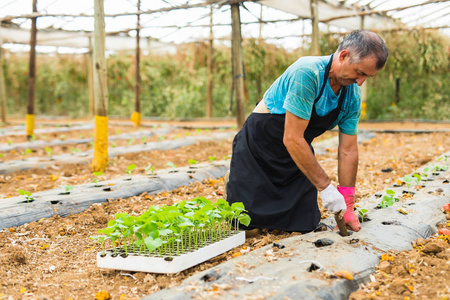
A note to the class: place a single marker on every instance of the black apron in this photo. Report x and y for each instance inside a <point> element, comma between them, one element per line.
<point>276,194</point>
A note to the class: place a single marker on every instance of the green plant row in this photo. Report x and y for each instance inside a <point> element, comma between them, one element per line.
<point>173,230</point>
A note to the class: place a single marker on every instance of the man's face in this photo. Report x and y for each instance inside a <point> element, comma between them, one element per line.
<point>355,72</point>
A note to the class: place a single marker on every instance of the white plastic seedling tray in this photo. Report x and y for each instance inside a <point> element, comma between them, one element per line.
<point>151,264</point>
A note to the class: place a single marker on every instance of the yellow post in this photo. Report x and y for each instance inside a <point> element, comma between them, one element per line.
<point>31,76</point>
<point>136,115</point>
<point>100,159</point>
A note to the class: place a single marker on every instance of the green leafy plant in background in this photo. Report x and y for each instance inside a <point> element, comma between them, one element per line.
<point>27,195</point>
<point>96,178</point>
<point>68,188</point>
<point>388,199</point>
<point>171,164</point>
<point>151,168</point>
<point>27,151</point>
<point>74,150</point>
<point>212,158</point>
<point>192,161</point>
<point>173,230</point>
<point>48,151</point>
<point>130,168</point>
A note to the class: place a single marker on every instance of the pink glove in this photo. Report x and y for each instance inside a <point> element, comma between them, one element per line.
<point>351,219</point>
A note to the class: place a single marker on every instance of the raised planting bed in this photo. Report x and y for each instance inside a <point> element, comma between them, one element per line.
<point>170,239</point>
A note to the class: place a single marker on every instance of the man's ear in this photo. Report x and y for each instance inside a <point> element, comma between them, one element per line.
<point>344,54</point>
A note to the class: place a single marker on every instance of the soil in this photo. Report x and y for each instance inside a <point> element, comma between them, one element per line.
<point>55,259</point>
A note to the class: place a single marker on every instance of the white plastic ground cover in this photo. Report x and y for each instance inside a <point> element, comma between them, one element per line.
<point>168,265</point>
<point>320,148</point>
<point>56,142</point>
<point>285,272</point>
<point>47,130</point>
<point>17,211</point>
<point>85,157</point>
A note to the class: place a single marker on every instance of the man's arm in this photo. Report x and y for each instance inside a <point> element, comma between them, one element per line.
<point>347,159</point>
<point>301,153</point>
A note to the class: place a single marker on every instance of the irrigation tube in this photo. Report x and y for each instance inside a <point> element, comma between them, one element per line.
<point>358,253</point>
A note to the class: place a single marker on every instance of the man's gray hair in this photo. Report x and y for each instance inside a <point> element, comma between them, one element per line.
<point>364,43</point>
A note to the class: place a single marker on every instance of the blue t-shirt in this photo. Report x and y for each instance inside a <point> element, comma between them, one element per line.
<point>297,88</point>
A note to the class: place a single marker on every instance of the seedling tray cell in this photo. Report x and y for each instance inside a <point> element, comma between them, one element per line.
<point>165,264</point>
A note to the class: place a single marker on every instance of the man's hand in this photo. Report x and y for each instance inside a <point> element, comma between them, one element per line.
<point>333,200</point>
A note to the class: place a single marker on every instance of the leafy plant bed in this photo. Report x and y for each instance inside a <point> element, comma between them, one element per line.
<point>167,264</point>
<point>170,239</point>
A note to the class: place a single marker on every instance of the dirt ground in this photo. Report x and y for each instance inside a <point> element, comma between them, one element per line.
<point>55,259</point>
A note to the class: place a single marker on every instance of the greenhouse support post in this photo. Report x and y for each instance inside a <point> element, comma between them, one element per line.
<point>2,83</point>
<point>136,116</point>
<point>363,88</point>
<point>209,93</point>
<point>100,159</point>
<point>315,48</point>
<point>238,74</point>
<point>31,76</point>
<point>91,78</point>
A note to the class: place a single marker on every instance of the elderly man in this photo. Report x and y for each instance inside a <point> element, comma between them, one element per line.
<point>273,168</point>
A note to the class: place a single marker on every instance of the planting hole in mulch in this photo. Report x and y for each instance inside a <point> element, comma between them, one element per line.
<point>108,189</point>
<point>53,202</point>
<point>64,193</point>
<point>391,223</point>
<point>313,267</point>
<point>323,242</point>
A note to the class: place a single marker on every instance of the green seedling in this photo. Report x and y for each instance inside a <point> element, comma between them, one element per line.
<point>187,134</point>
<point>151,168</point>
<point>113,144</point>
<point>118,131</point>
<point>198,130</point>
<point>92,144</point>
<point>411,181</point>
<point>144,140</point>
<point>44,137</point>
<point>441,168</point>
<point>161,137</point>
<point>388,199</point>
<point>73,150</point>
<point>212,158</point>
<point>33,137</point>
<point>96,178</point>
<point>101,239</point>
<point>68,188</point>
<point>63,137</point>
<point>444,158</point>
<point>131,141</point>
<point>27,195</point>
<point>27,151</point>
<point>1,155</point>
<point>362,213</point>
<point>48,150</point>
<point>130,168</point>
<point>9,142</point>
<point>171,164</point>
<point>173,230</point>
<point>192,162</point>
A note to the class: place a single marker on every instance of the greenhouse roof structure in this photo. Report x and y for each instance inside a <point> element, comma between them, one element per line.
<point>63,23</point>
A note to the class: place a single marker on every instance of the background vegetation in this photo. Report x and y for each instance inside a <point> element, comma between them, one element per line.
<point>174,85</point>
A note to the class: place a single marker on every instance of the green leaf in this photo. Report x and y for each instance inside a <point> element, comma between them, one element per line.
<point>192,161</point>
<point>244,219</point>
<point>152,244</point>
